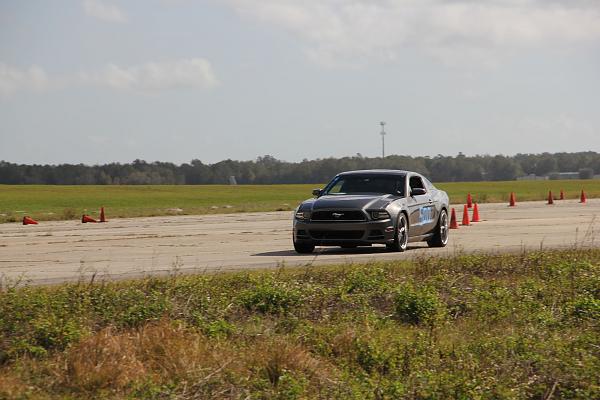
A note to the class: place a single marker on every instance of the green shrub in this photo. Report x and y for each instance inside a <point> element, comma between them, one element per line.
<point>130,306</point>
<point>270,297</point>
<point>290,387</point>
<point>150,308</point>
<point>492,303</point>
<point>372,355</point>
<point>365,279</point>
<point>218,328</point>
<point>586,307</point>
<point>418,305</point>
<point>52,332</point>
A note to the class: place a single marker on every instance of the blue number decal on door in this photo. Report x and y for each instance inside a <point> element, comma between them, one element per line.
<point>426,215</point>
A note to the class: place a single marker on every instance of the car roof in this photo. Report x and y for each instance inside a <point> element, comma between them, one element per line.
<point>376,172</point>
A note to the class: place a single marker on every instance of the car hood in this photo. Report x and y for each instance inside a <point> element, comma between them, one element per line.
<point>375,202</point>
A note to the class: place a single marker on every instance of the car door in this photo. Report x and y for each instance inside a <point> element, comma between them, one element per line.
<point>434,202</point>
<point>420,207</point>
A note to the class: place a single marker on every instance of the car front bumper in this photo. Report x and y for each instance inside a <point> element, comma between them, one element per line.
<point>344,233</point>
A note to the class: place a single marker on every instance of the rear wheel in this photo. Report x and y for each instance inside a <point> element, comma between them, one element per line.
<point>440,236</point>
<point>304,248</point>
<point>401,235</point>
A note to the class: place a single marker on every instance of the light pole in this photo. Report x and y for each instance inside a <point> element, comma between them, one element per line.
<point>382,123</point>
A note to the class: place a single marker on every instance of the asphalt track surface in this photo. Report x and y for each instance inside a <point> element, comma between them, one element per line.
<point>53,252</point>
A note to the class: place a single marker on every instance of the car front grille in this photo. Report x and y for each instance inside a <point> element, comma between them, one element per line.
<point>334,235</point>
<point>376,234</point>
<point>338,215</point>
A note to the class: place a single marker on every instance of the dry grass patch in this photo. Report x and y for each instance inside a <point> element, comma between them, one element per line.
<point>168,355</point>
<point>158,352</point>
<point>275,357</point>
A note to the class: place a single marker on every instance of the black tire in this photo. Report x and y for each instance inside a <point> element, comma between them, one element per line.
<point>400,235</point>
<point>440,237</point>
<point>304,248</point>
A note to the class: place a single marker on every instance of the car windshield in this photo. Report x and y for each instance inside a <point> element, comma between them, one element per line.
<point>366,184</point>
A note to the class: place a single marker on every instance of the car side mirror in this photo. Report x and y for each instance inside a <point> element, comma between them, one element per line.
<point>417,192</point>
<point>317,192</point>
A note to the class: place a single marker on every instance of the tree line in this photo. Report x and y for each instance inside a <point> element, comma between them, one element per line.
<point>269,170</point>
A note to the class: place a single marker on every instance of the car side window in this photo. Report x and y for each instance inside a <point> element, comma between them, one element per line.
<point>415,182</point>
<point>337,187</point>
<point>428,184</point>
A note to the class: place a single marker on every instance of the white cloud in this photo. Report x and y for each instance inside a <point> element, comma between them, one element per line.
<point>559,125</point>
<point>354,31</point>
<point>151,76</point>
<point>194,72</point>
<point>105,12</point>
<point>13,79</point>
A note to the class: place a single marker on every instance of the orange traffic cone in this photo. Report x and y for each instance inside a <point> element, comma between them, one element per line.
<point>469,201</point>
<point>453,222</point>
<point>29,221</point>
<point>87,218</point>
<point>550,198</point>
<point>582,199</point>
<point>513,200</point>
<point>102,218</point>
<point>475,214</point>
<point>562,194</point>
<point>465,221</point>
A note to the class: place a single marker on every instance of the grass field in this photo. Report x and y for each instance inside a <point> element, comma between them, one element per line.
<point>523,326</point>
<point>46,202</point>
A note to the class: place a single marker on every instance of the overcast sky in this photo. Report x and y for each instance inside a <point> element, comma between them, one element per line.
<point>97,81</point>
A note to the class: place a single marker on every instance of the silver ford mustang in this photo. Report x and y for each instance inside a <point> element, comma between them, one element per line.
<point>362,208</point>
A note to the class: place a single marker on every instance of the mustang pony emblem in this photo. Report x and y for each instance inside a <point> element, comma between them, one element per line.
<point>337,215</point>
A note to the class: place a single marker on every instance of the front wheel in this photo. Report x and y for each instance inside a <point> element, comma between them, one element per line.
<point>440,236</point>
<point>304,248</point>
<point>401,235</point>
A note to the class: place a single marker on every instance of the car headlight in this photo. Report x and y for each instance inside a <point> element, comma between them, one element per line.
<point>303,215</point>
<point>378,215</point>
